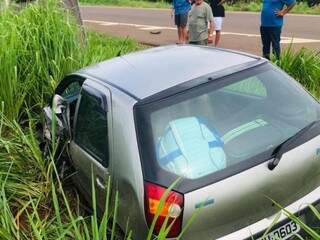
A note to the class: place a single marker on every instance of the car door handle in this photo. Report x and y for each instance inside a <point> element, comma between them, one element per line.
<point>100,183</point>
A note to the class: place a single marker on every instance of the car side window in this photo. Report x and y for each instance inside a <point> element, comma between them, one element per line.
<point>91,130</point>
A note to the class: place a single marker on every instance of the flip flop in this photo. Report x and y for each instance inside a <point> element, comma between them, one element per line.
<point>155,32</point>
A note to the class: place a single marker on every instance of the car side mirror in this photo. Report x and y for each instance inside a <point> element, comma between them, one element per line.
<point>58,104</point>
<point>60,114</point>
<point>61,109</point>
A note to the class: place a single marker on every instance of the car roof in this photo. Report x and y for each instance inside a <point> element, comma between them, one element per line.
<point>148,72</point>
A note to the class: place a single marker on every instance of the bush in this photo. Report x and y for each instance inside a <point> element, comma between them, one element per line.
<point>304,66</point>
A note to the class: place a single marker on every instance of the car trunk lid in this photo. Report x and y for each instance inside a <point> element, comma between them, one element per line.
<point>245,198</point>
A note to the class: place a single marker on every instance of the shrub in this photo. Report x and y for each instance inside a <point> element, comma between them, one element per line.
<point>304,66</point>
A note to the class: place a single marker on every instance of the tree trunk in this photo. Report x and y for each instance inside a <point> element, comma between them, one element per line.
<point>6,3</point>
<point>73,7</point>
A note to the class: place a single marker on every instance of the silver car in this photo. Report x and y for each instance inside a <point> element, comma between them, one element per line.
<point>238,132</point>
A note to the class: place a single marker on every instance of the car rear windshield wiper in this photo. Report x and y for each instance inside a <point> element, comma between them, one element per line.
<point>282,147</point>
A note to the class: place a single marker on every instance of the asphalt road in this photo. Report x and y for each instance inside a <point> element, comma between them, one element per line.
<point>240,30</point>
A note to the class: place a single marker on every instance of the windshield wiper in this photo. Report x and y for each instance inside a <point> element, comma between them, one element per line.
<point>281,148</point>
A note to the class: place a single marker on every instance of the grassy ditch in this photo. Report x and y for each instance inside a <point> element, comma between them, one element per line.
<point>128,3</point>
<point>39,45</point>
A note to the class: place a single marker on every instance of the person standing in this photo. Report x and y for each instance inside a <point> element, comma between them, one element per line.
<point>199,17</point>
<point>272,15</point>
<point>180,11</point>
<point>218,15</point>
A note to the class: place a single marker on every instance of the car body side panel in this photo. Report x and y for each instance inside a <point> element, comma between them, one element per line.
<point>127,172</point>
<point>85,164</point>
<point>244,198</point>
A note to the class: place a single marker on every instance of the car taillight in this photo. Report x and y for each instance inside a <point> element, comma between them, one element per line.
<point>172,208</point>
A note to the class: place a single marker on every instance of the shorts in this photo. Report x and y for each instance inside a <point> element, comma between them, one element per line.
<point>181,19</point>
<point>218,23</point>
<point>201,42</point>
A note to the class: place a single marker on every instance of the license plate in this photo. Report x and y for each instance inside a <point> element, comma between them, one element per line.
<point>283,232</point>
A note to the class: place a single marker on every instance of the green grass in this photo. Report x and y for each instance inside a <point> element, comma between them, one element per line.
<point>252,6</point>
<point>255,6</point>
<point>128,3</point>
<point>303,8</point>
<point>312,233</point>
<point>304,66</point>
<point>39,46</point>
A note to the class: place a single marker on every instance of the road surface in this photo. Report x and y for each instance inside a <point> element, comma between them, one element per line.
<point>240,29</point>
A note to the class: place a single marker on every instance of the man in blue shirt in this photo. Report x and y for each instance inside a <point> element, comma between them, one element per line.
<point>271,23</point>
<point>180,10</point>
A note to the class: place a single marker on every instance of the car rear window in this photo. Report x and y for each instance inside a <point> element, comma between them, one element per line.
<point>222,127</point>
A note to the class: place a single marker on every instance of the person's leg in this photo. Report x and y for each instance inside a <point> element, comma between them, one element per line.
<point>180,36</point>
<point>183,24</point>
<point>218,27</point>
<point>184,34</point>
<point>266,41</point>
<point>177,22</point>
<point>217,38</point>
<point>275,39</point>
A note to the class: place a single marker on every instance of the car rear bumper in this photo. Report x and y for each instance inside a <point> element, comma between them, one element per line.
<point>299,208</point>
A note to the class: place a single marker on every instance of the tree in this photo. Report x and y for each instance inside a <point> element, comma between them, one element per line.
<point>73,7</point>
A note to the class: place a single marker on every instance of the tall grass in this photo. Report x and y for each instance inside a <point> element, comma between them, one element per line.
<point>304,66</point>
<point>54,219</point>
<point>129,3</point>
<point>38,46</point>
<point>21,163</point>
<point>311,232</point>
<point>256,6</point>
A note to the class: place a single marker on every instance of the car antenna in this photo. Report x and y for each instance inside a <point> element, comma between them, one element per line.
<point>122,46</point>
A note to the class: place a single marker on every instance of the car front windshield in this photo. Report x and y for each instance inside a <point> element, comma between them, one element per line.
<point>217,127</point>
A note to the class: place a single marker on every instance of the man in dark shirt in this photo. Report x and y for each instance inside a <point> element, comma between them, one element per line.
<point>218,14</point>
<point>271,24</point>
